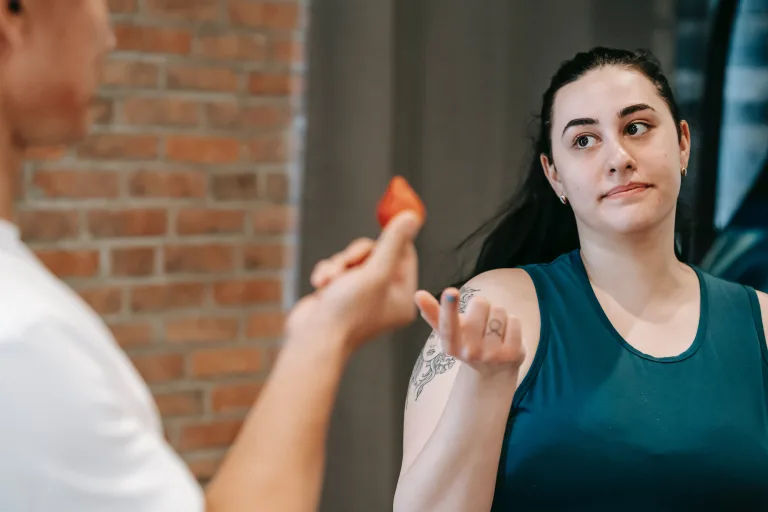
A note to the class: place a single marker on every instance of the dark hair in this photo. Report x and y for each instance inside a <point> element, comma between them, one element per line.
<point>534,226</point>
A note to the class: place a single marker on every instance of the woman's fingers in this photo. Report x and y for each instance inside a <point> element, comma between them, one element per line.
<point>513,340</point>
<point>474,326</point>
<point>496,328</point>
<point>448,324</point>
<point>429,308</point>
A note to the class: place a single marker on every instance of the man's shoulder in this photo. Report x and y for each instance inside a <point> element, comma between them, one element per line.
<point>31,298</point>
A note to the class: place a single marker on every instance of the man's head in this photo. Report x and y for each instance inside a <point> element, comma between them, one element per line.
<point>52,53</point>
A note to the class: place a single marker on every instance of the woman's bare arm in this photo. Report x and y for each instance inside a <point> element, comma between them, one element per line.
<point>455,417</point>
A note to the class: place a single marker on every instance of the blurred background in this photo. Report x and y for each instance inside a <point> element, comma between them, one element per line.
<point>237,142</point>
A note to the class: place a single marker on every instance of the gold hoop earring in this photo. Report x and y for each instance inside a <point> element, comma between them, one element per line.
<point>563,199</point>
<point>683,172</point>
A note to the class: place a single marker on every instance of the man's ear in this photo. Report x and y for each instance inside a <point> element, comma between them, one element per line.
<point>550,171</point>
<point>10,25</point>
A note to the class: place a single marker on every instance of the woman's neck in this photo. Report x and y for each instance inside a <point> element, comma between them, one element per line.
<point>635,268</point>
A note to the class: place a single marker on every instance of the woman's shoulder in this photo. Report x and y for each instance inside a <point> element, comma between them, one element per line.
<point>511,288</point>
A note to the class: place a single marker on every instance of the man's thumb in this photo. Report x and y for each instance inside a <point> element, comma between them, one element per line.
<point>401,230</point>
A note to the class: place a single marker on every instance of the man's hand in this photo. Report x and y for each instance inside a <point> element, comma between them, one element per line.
<point>365,290</point>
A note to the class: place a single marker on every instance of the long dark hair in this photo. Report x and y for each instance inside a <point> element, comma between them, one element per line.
<point>534,226</point>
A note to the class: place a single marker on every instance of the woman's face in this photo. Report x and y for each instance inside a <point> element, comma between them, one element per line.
<point>616,153</point>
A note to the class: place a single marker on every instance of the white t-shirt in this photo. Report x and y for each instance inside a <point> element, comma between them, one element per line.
<point>79,429</point>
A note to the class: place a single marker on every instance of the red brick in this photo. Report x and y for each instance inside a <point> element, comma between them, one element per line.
<point>127,223</point>
<point>119,147</point>
<point>202,78</point>
<point>192,10</point>
<point>267,256</point>
<point>278,187</point>
<point>233,397</point>
<point>268,324</point>
<point>272,84</point>
<point>203,150</point>
<point>76,184</point>
<point>199,259</point>
<point>103,300</point>
<point>133,261</point>
<point>248,291</point>
<point>272,15</point>
<point>209,434</point>
<point>287,51</point>
<point>233,116</point>
<point>46,153</point>
<point>160,368</point>
<point>130,73</point>
<point>37,226</point>
<point>70,263</point>
<point>132,334</point>
<point>274,219</point>
<point>203,221</point>
<point>202,329</point>
<point>165,297</point>
<point>225,361</point>
<point>153,39</point>
<point>122,6</point>
<point>250,47</point>
<point>238,186</point>
<point>161,111</point>
<point>169,184</point>
<point>183,403</point>
<point>102,110</point>
<point>268,148</point>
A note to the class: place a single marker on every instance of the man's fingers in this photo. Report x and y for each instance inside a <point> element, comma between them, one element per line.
<point>320,274</point>
<point>329,269</point>
<point>400,232</point>
<point>357,252</point>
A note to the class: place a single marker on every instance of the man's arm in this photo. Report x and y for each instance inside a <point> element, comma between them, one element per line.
<point>278,459</point>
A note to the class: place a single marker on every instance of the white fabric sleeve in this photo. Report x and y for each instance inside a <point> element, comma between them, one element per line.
<point>70,442</point>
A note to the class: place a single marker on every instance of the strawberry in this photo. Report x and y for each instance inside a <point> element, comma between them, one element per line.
<point>399,197</point>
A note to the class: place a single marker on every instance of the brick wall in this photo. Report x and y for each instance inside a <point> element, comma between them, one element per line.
<point>175,219</point>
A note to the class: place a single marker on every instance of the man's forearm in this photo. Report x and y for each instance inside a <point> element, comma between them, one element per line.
<point>278,459</point>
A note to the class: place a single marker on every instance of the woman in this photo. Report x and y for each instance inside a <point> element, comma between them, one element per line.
<point>80,431</point>
<point>592,369</point>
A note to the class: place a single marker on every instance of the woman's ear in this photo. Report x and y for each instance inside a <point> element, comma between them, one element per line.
<point>550,171</point>
<point>685,144</point>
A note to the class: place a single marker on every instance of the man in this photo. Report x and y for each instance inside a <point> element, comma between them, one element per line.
<point>79,430</point>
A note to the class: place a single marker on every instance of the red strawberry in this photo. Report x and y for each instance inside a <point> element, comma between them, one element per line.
<point>398,198</point>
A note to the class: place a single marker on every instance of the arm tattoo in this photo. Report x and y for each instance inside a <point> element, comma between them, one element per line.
<point>432,361</point>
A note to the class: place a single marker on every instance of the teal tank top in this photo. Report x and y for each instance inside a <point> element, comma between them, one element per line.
<point>597,425</point>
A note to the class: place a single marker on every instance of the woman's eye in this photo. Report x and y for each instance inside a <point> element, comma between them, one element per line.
<point>637,128</point>
<point>584,141</point>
